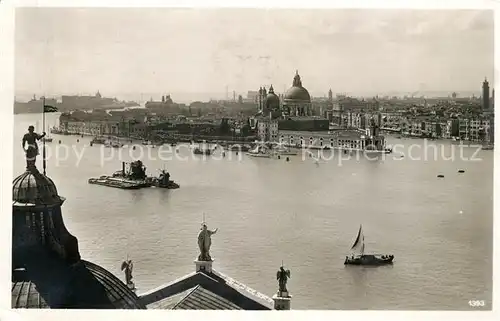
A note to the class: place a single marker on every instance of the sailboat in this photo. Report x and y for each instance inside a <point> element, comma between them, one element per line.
<point>360,258</point>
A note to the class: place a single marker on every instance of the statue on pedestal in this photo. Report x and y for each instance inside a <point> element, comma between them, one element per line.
<point>128,266</point>
<point>282,276</point>
<point>32,150</point>
<point>204,243</point>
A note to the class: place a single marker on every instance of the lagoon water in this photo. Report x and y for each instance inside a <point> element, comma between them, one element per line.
<point>304,214</point>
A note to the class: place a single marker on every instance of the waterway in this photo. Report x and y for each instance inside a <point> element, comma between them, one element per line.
<point>299,212</point>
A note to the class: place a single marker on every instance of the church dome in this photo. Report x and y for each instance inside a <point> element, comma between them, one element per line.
<point>272,100</point>
<point>34,188</point>
<point>297,93</point>
<point>86,285</point>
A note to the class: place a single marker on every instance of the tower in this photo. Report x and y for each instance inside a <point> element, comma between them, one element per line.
<point>486,94</point>
<point>330,95</point>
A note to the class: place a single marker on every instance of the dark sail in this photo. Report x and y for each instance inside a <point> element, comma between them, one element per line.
<point>358,239</point>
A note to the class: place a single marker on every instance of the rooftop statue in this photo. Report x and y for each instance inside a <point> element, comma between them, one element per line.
<point>32,150</point>
<point>282,276</point>
<point>128,266</point>
<point>204,243</point>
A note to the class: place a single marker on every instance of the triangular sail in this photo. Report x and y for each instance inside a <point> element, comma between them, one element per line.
<point>359,243</point>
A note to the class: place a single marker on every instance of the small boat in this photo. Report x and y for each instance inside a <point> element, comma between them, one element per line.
<point>239,148</point>
<point>259,151</point>
<point>163,181</point>
<point>202,150</point>
<point>440,176</point>
<point>114,144</point>
<point>461,171</point>
<point>283,151</point>
<point>98,140</point>
<point>366,259</point>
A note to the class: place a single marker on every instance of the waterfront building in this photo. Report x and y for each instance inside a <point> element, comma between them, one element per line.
<point>290,120</point>
<point>340,138</point>
<point>447,132</point>
<point>47,270</point>
<point>463,128</point>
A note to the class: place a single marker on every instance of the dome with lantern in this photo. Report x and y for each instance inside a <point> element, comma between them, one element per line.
<point>297,93</point>
<point>47,271</point>
<point>272,100</point>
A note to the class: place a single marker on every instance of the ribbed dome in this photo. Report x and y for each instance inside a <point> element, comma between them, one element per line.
<point>91,287</point>
<point>32,187</point>
<point>297,93</point>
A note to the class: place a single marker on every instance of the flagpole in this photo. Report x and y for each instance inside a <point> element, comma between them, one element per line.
<point>43,141</point>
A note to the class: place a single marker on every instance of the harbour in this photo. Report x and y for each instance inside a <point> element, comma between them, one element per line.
<point>440,230</point>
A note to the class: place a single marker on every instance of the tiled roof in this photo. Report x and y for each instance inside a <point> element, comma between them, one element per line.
<point>202,291</point>
<point>200,298</point>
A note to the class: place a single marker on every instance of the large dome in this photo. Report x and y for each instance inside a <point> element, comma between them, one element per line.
<point>34,188</point>
<point>297,93</point>
<point>85,285</point>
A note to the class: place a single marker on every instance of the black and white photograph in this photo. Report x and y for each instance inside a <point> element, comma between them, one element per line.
<point>251,158</point>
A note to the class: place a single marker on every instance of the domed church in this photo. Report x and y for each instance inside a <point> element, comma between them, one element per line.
<point>47,270</point>
<point>297,101</point>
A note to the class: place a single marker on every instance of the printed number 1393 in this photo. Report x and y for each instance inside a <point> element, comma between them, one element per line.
<point>476,303</point>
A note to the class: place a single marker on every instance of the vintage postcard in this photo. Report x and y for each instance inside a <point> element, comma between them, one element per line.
<point>287,158</point>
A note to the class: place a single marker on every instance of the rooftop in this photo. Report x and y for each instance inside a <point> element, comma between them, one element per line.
<point>206,290</point>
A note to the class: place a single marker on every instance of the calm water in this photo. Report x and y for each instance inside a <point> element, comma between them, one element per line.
<point>440,230</point>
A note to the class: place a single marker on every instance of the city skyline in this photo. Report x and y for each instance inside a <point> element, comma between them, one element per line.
<point>357,51</point>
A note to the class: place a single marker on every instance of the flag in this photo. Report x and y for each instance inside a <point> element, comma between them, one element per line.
<point>49,109</point>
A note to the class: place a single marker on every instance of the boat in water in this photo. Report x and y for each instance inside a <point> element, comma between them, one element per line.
<point>259,151</point>
<point>98,140</point>
<point>202,150</point>
<point>163,181</point>
<point>115,144</point>
<point>110,181</point>
<point>239,148</point>
<point>487,147</point>
<point>134,178</point>
<point>284,151</point>
<point>359,257</point>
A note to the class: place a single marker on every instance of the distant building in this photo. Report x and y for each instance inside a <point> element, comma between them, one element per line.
<point>486,95</point>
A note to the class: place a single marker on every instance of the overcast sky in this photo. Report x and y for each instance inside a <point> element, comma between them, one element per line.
<point>120,50</point>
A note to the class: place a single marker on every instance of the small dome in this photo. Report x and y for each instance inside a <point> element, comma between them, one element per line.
<point>32,187</point>
<point>297,93</point>
<point>272,100</point>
